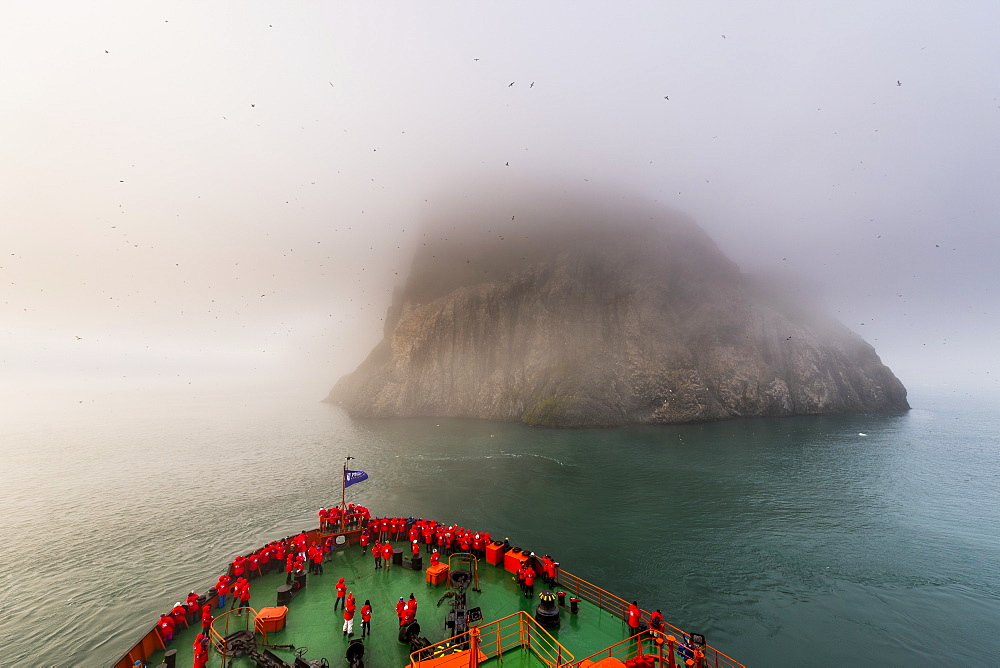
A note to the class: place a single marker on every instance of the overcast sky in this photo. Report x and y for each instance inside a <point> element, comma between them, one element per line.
<point>194,190</point>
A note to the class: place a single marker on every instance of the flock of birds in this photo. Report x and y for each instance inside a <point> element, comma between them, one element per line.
<point>511,84</point>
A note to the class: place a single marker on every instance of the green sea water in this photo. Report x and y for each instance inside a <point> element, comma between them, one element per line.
<point>812,541</point>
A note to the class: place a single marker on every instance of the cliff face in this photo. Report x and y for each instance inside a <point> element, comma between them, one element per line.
<point>611,326</point>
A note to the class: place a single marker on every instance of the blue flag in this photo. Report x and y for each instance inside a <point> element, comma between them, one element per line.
<point>351,477</point>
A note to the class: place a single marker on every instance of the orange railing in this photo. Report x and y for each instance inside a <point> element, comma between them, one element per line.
<point>652,649</point>
<point>616,605</point>
<point>515,631</point>
<point>244,618</point>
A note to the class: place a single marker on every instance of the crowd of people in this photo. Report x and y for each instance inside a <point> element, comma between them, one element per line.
<point>334,518</point>
<point>295,554</point>
<point>419,532</point>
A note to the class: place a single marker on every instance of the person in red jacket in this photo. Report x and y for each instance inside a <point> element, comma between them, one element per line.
<point>317,559</point>
<point>633,616</point>
<point>265,559</point>
<point>206,620</point>
<point>245,594</point>
<point>387,555</point>
<point>341,593</point>
<point>200,651</point>
<point>529,581</point>
<point>279,552</point>
<point>656,622</point>
<point>410,611</point>
<point>549,570</point>
<point>191,609</point>
<point>435,557</point>
<point>366,618</point>
<point>349,608</point>
<point>477,546</point>
<point>165,627</point>
<point>253,566</point>
<point>238,563</point>
<point>179,613</point>
<point>364,541</point>
<point>377,554</point>
<point>415,548</point>
<point>289,567</point>
<point>222,589</point>
<point>235,591</point>
<point>401,610</point>
<point>300,542</point>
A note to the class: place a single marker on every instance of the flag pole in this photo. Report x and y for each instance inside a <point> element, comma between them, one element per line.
<point>343,493</point>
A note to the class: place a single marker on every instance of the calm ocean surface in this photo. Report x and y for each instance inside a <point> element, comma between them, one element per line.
<point>788,542</point>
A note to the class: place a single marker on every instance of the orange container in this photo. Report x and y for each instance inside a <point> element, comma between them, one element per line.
<point>512,560</point>
<point>494,553</point>
<point>437,574</point>
<point>269,620</point>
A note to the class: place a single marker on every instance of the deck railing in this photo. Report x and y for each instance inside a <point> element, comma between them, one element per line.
<point>240,619</point>
<point>651,648</point>
<point>618,606</point>
<point>515,631</point>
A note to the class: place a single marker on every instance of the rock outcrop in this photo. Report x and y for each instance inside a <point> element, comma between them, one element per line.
<point>600,323</point>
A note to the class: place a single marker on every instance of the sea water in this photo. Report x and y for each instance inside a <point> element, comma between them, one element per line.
<point>866,539</point>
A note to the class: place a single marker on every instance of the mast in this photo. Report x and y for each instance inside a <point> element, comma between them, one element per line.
<point>343,492</point>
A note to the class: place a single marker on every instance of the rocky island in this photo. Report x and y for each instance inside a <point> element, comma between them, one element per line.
<point>581,314</point>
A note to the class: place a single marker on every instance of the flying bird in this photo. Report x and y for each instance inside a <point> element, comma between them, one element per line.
<point>510,84</point>
<point>723,37</point>
<point>476,59</point>
<point>898,82</point>
<point>253,105</point>
<point>666,97</point>
<point>506,164</point>
<point>532,85</point>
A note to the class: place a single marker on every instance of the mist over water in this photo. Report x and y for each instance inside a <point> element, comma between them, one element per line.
<point>791,541</point>
<point>193,193</point>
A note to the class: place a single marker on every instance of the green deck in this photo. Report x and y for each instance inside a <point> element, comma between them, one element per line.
<point>312,622</point>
